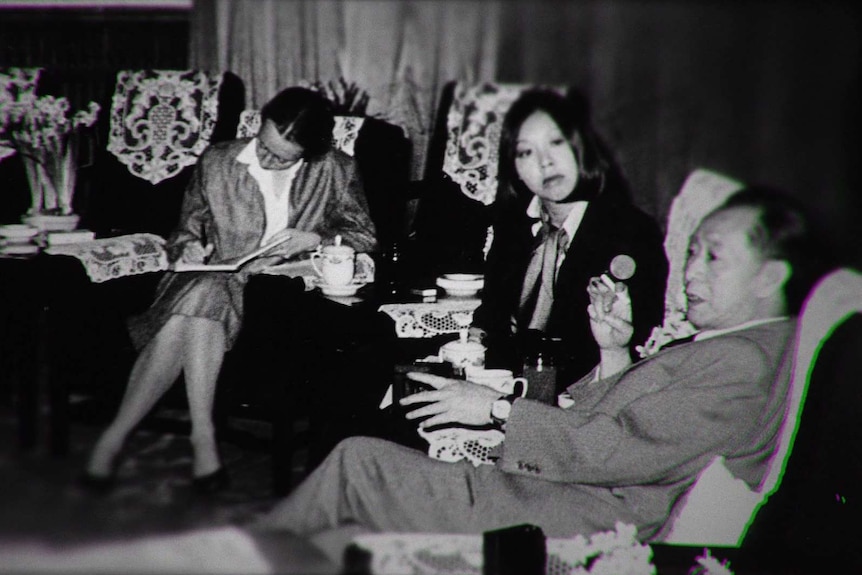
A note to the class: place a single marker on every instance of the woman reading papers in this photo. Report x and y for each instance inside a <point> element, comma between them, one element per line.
<point>285,188</point>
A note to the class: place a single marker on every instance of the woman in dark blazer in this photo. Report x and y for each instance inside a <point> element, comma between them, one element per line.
<point>554,173</point>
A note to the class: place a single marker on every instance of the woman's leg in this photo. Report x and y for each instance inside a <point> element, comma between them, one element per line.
<point>155,370</point>
<point>203,352</point>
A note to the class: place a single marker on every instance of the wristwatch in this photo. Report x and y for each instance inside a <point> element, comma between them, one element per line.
<point>501,409</point>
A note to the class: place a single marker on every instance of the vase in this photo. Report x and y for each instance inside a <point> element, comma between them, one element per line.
<point>52,183</point>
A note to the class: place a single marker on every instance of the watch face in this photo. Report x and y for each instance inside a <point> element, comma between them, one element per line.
<point>501,409</point>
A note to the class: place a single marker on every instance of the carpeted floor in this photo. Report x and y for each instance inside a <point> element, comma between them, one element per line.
<point>39,498</point>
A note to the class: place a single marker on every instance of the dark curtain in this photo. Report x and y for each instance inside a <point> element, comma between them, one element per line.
<point>765,92</point>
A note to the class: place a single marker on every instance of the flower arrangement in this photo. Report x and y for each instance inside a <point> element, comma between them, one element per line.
<point>46,138</point>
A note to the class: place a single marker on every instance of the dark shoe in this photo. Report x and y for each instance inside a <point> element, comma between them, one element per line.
<point>211,483</point>
<point>97,484</point>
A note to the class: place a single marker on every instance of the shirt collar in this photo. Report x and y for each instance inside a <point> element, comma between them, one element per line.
<point>570,224</point>
<point>710,333</point>
<point>248,155</point>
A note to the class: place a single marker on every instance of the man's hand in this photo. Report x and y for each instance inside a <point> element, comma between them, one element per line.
<point>610,312</point>
<point>451,401</point>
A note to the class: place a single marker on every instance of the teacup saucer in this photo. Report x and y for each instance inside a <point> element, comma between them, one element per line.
<point>343,290</point>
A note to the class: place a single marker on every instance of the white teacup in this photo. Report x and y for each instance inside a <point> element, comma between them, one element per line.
<point>500,379</point>
<point>336,264</point>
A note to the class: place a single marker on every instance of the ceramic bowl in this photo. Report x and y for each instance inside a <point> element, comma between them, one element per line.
<point>463,277</point>
<point>461,288</point>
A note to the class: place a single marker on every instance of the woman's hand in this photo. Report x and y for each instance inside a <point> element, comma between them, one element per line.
<point>297,242</point>
<point>451,401</point>
<point>195,253</point>
<point>610,312</point>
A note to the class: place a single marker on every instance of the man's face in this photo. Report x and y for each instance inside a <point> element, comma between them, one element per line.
<point>274,152</point>
<point>723,270</point>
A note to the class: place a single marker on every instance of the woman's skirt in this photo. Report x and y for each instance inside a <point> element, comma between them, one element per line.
<point>217,296</point>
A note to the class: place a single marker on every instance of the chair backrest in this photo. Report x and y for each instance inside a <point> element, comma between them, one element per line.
<point>162,120</point>
<point>344,133</point>
<point>719,508</point>
<point>474,123</point>
<point>159,124</point>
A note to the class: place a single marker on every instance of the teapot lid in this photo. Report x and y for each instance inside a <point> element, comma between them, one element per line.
<point>462,344</point>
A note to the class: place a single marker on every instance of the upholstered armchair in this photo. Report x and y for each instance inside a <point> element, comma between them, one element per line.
<point>719,508</point>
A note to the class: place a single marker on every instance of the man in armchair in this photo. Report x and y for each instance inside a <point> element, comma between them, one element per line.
<point>637,435</point>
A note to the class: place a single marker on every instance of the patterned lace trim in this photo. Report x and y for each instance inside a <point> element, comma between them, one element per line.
<point>455,444</point>
<point>112,258</point>
<point>162,120</point>
<point>611,552</point>
<point>473,124</point>
<point>344,134</point>
<point>429,319</point>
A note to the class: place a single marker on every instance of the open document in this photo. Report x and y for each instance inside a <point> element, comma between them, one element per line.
<point>190,267</point>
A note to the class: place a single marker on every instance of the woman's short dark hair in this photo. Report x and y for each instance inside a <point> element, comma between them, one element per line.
<point>304,116</point>
<point>571,114</point>
<point>784,232</point>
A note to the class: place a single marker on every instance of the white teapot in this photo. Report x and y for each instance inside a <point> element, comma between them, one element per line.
<point>462,353</point>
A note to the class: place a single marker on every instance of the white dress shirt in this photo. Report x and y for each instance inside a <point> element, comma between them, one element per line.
<point>274,187</point>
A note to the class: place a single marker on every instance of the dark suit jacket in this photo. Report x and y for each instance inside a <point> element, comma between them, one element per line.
<point>611,226</point>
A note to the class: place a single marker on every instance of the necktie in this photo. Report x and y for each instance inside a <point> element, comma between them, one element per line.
<point>541,275</point>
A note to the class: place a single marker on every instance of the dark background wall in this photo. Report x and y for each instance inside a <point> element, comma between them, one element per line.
<point>763,91</point>
<point>766,92</point>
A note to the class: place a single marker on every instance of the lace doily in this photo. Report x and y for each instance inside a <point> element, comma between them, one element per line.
<point>608,553</point>
<point>161,120</point>
<point>112,258</point>
<point>454,444</point>
<point>344,133</point>
<point>449,315</point>
<point>14,83</point>
<point>473,125</point>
